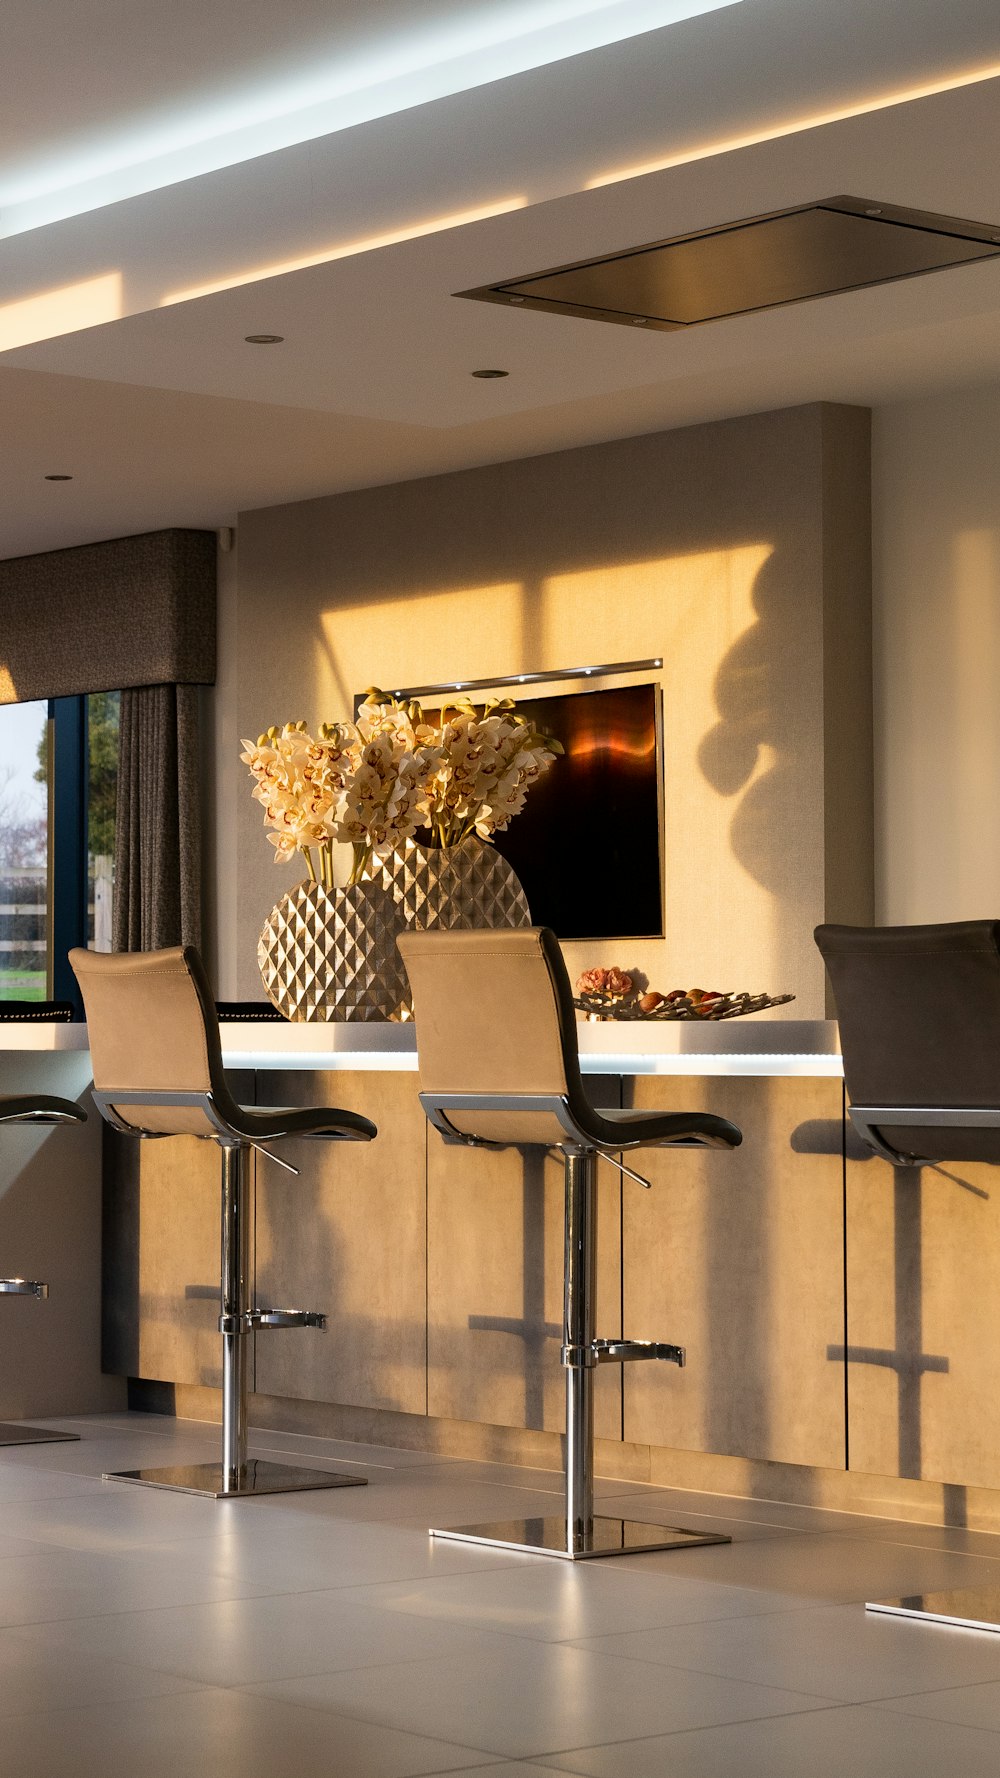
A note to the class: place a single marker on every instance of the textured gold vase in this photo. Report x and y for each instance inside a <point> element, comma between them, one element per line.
<point>443,886</point>
<point>437,887</point>
<point>331,953</point>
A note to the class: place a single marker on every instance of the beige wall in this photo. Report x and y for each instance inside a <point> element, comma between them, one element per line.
<point>936,475</point>
<point>738,551</point>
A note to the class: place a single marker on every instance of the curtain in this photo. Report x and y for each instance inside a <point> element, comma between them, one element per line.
<point>132,611</point>
<point>157,898</point>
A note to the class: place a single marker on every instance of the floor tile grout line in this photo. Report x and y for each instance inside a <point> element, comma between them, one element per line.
<point>194,1690</point>
<point>702,1728</point>
<point>232,1599</point>
<point>256,1689</point>
<point>900,1697</point>
<point>22,1633</point>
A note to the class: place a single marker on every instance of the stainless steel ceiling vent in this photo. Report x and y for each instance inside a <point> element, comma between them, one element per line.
<point>763,262</point>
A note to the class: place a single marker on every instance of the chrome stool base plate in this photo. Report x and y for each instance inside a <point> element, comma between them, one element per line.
<point>609,1537</point>
<point>13,1434</point>
<point>964,1608</point>
<point>257,1477</point>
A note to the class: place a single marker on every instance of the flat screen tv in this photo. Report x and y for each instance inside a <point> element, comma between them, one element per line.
<point>587,845</point>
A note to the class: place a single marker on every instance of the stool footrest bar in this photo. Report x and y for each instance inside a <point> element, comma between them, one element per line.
<point>624,1351</point>
<point>584,1358</point>
<point>255,1320</point>
<point>286,1318</point>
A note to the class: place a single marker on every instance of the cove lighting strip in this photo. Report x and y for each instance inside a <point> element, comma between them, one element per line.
<point>427,691</point>
<point>402,70</point>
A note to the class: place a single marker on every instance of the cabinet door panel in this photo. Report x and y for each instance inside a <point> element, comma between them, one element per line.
<point>162,1222</point>
<point>923,1319</point>
<point>738,1256</point>
<point>348,1237</point>
<point>495,1282</point>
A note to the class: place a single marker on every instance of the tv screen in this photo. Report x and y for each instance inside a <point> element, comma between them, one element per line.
<point>587,844</point>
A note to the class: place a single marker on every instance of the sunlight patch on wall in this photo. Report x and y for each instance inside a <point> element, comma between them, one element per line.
<point>967,687</point>
<point>66,310</point>
<point>346,250</point>
<point>418,638</point>
<point>691,610</point>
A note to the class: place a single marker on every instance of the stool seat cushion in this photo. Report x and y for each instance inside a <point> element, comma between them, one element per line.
<point>262,1123</point>
<point>657,1129</point>
<point>496,1022</point>
<point>39,1108</point>
<point>154,1038</point>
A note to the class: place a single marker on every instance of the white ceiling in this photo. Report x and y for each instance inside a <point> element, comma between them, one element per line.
<point>164,415</point>
<point>168,106</point>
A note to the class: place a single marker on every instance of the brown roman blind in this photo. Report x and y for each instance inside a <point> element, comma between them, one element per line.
<point>105,616</point>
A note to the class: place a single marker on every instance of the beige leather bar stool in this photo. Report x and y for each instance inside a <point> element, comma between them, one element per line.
<point>919,1015</point>
<point>157,1062</point>
<point>499,1067</point>
<point>34,1108</point>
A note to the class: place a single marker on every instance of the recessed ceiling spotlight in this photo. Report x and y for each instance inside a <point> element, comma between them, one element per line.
<point>58,478</point>
<point>264,339</point>
<point>638,320</point>
<point>517,299</point>
<point>490,373</point>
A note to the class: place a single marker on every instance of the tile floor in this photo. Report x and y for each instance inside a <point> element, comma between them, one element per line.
<point>325,1634</point>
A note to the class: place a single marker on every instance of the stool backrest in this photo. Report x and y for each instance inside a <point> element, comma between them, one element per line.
<point>495,1016</point>
<point>152,1027</point>
<point>919,1015</point>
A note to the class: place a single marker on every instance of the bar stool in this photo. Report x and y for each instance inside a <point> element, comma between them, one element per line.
<point>499,1068</point>
<point>34,1108</point>
<point>157,1062</point>
<point>919,1015</point>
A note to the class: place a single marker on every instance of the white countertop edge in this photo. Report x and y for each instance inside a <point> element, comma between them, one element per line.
<point>402,1062</point>
<point>771,1048</point>
<point>27,1037</point>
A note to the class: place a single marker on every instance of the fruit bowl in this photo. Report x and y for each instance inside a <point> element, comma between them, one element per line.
<point>680,1003</point>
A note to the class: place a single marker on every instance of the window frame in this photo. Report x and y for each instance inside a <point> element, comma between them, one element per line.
<point>69,799</point>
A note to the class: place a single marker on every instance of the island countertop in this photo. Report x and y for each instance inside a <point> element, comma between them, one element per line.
<point>750,1047</point>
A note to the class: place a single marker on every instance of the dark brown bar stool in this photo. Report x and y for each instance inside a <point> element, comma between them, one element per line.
<point>157,1062</point>
<point>919,1015</point>
<point>499,1067</point>
<point>34,1108</point>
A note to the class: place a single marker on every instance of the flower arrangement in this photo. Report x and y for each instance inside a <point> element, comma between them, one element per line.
<point>377,782</point>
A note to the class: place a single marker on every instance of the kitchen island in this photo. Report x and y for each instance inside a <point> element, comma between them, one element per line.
<point>834,1353</point>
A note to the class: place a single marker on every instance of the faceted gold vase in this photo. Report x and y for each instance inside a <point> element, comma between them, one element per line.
<point>331,953</point>
<point>444,886</point>
<point>437,887</point>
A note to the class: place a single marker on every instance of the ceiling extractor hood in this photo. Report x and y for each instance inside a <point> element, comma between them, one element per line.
<point>788,256</point>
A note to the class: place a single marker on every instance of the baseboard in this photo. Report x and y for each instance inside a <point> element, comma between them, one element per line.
<point>845,1491</point>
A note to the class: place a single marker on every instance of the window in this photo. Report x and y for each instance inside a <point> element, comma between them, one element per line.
<point>24,853</point>
<point>102,791</point>
<point>58,785</point>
